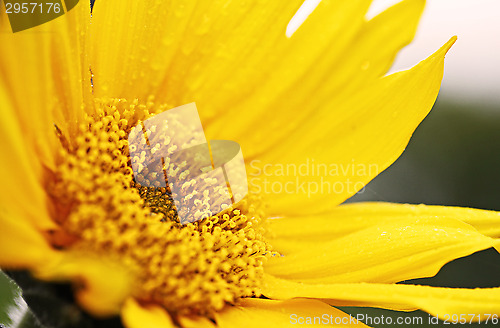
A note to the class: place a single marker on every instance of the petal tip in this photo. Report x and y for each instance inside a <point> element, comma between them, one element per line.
<point>447,46</point>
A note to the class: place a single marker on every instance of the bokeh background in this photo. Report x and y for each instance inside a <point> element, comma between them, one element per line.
<point>453,157</point>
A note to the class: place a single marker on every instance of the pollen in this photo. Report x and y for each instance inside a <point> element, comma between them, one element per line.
<point>188,268</point>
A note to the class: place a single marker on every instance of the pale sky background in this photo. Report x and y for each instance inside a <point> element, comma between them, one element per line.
<point>472,71</point>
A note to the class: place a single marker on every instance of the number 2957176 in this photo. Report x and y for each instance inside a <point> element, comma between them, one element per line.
<point>33,8</point>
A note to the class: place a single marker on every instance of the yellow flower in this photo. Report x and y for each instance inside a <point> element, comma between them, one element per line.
<point>71,90</point>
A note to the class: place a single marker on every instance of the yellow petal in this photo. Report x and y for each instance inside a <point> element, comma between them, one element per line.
<point>353,58</point>
<point>23,212</point>
<point>361,136</point>
<point>23,198</point>
<point>221,55</point>
<point>195,322</point>
<point>434,300</point>
<point>294,233</point>
<point>21,245</point>
<point>70,69</point>
<point>290,313</point>
<point>270,83</point>
<point>486,222</point>
<point>24,73</point>
<point>102,285</point>
<point>172,48</point>
<point>388,252</point>
<point>41,71</point>
<point>135,315</point>
<point>378,43</point>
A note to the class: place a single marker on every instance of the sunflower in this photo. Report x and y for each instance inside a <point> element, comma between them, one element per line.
<point>72,89</point>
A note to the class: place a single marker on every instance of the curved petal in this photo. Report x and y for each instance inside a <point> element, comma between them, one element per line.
<point>21,245</point>
<point>102,285</point>
<point>70,69</point>
<point>329,158</point>
<point>270,313</point>
<point>486,222</point>
<point>24,73</point>
<point>177,43</point>
<point>437,301</point>
<point>195,322</point>
<point>41,71</point>
<point>23,211</point>
<point>135,315</point>
<point>291,234</point>
<point>216,54</point>
<point>337,71</point>
<point>21,174</point>
<point>388,252</point>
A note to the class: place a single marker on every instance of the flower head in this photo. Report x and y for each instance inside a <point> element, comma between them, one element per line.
<point>72,90</point>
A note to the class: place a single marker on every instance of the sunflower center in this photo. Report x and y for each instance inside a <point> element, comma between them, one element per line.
<point>188,268</point>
